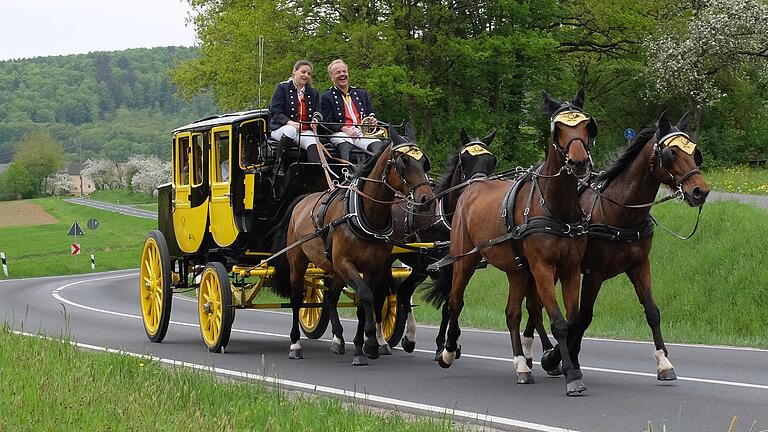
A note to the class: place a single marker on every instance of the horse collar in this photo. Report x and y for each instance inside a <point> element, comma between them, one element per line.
<point>357,222</point>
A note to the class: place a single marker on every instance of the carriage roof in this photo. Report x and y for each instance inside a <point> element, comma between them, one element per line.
<point>222,119</point>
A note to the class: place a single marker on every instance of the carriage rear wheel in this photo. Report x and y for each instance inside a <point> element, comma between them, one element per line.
<point>215,306</point>
<point>392,320</point>
<point>155,291</point>
<point>313,320</point>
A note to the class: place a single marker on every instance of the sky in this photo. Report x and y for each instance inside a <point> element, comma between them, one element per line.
<point>34,28</point>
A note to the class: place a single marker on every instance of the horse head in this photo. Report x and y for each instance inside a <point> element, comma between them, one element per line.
<point>474,157</point>
<point>411,167</point>
<point>676,160</point>
<point>573,132</point>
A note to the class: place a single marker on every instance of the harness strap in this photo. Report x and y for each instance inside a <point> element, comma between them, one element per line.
<point>609,232</point>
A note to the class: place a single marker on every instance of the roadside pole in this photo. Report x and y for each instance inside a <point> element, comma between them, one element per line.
<point>5,264</point>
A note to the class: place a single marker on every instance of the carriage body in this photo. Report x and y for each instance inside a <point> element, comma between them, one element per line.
<point>230,185</point>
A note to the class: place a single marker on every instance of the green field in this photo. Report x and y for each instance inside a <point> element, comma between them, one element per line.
<point>738,179</point>
<point>72,390</point>
<point>122,196</point>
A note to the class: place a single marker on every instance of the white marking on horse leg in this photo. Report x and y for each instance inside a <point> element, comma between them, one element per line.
<point>336,340</point>
<point>296,346</point>
<point>449,357</point>
<point>410,327</point>
<point>521,366</point>
<point>528,347</point>
<point>380,335</point>
<point>662,362</point>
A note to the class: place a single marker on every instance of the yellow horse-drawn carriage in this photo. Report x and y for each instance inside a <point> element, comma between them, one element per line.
<point>230,186</point>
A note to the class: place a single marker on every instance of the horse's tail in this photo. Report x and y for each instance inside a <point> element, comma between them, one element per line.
<point>278,240</point>
<point>439,291</point>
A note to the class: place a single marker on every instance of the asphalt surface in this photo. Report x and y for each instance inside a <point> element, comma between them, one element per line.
<point>117,208</point>
<point>714,383</point>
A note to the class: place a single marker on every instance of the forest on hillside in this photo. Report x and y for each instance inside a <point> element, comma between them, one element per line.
<point>98,105</point>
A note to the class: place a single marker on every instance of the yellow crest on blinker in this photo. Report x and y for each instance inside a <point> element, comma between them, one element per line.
<point>570,118</point>
<point>475,150</point>
<point>411,151</point>
<point>682,143</point>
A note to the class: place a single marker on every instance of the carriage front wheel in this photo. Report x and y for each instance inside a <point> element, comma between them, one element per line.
<point>215,306</point>
<point>313,320</point>
<point>155,291</point>
<point>392,320</point>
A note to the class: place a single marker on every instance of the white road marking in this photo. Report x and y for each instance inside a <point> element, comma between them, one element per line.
<point>56,295</point>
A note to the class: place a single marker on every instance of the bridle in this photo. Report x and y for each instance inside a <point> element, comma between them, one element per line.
<point>395,159</point>
<point>571,115</point>
<point>661,148</point>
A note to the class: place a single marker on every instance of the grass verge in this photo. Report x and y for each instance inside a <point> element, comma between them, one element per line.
<point>69,389</point>
<point>738,179</point>
<point>123,196</point>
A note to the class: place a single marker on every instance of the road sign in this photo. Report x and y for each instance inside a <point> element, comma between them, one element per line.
<point>629,133</point>
<point>75,248</point>
<point>93,223</point>
<point>75,230</point>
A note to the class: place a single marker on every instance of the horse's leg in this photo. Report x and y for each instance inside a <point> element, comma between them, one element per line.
<point>440,338</point>
<point>332,301</point>
<point>518,284</point>
<point>379,295</point>
<point>462,272</point>
<point>404,294</point>
<point>590,288</point>
<point>365,297</point>
<point>545,284</point>
<point>358,358</point>
<point>536,322</point>
<point>641,279</point>
<point>298,265</point>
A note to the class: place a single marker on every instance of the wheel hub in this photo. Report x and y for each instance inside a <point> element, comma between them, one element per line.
<point>207,307</point>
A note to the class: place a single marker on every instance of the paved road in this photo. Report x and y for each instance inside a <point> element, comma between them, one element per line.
<point>759,200</point>
<point>117,208</point>
<point>715,383</point>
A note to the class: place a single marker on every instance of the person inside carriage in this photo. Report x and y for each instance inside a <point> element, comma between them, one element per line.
<point>294,103</point>
<point>344,108</point>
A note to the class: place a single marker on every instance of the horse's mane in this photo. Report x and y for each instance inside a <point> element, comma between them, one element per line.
<point>622,160</point>
<point>450,167</point>
<point>366,168</point>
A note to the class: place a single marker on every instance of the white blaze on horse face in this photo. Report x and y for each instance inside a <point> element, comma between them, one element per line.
<point>528,347</point>
<point>448,357</point>
<point>662,362</point>
<point>410,327</point>
<point>380,335</point>
<point>521,366</point>
<point>296,346</point>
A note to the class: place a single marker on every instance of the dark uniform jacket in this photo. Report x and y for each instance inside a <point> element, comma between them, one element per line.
<point>333,110</point>
<point>285,104</point>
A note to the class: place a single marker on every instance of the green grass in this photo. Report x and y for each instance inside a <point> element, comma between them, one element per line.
<point>738,179</point>
<point>44,250</point>
<point>152,206</point>
<point>72,390</point>
<point>123,196</point>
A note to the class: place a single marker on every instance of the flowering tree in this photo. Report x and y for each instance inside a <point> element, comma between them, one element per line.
<point>104,173</point>
<point>152,174</point>
<point>58,184</point>
<point>703,46</point>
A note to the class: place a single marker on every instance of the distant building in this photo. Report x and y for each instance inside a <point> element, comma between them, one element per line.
<point>80,185</point>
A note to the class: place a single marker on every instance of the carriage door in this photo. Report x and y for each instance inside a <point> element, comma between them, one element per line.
<point>222,225</point>
<point>189,219</point>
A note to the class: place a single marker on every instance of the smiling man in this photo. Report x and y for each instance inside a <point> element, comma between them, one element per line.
<point>343,107</point>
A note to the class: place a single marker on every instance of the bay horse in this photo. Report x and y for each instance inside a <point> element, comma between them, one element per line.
<point>472,162</point>
<point>618,203</point>
<point>345,232</point>
<point>532,229</point>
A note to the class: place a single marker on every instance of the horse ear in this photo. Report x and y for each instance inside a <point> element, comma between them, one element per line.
<point>410,133</point>
<point>579,99</point>
<point>489,139</point>
<point>682,125</point>
<point>464,136</point>
<point>396,138</point>
<point>664,126</point>
<point>550,104</point>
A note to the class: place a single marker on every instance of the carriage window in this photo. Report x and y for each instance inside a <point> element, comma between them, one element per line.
<point>249,150</point>
<point>197,159</point>
<point>182,150</point>
<point>221,140</point>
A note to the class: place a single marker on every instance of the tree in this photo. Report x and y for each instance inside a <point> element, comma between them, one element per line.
<point>153,173</point>
<point>16,182</point>
<point>104,173</point>
<point>703,47</point>
<point>41,156</point>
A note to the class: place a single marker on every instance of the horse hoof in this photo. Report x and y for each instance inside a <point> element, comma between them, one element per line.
<point>555,372</point>
<point>667,375</point>
<point>338,348</point>
<point>371,352</point>
<point>385,350</point>
<point>359,360</point>
<point>408,345</point>
<point>575,387</point>
<point>441,361</point>
<point>529,363</point>
<point>525,378</point>
<point>295,354</point>
<point>458,352</point>
<point>550,359</point>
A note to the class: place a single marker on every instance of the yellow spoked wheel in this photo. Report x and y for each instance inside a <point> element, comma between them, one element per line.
<point>313,320</point>
<point>215,306</point>
<point>155,291</point>
<point>392,320</point>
